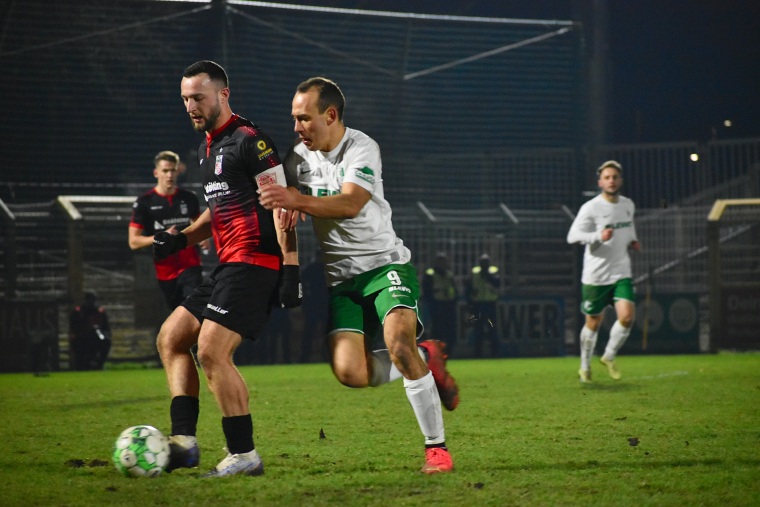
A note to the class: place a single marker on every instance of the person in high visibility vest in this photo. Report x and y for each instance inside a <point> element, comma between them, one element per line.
<point>483,288</point>
<point>439,295</point>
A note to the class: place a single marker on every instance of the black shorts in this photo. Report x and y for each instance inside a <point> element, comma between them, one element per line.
<point>177,289</point>
<point>237,296</point>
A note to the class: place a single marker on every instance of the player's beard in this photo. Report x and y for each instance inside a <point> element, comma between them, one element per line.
<point>208,122</point>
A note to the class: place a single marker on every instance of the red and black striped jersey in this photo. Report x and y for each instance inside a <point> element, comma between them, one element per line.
<point>153,212</point>
<point>230,159</point>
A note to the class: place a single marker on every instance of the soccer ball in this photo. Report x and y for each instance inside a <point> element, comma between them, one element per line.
<point>141,451</point>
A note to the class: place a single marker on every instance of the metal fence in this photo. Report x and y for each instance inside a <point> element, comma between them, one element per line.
<point>527,244</point>
<point>662,175</point>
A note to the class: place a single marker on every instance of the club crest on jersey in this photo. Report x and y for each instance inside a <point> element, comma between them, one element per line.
<point>218,165</point>
<point>183,208</point>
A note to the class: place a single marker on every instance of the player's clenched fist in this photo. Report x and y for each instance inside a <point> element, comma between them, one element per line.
<point>166,243</point>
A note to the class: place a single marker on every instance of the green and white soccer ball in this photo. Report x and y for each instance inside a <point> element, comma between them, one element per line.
<point>141,451</point>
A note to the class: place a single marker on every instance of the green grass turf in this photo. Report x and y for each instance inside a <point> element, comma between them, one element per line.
<point>526,433</point>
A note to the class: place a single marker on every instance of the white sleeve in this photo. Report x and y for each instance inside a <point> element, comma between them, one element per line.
<point>583,230</point>
<point>364,168</point>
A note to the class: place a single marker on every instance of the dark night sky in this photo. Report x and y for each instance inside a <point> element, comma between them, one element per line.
<point>677,69</point>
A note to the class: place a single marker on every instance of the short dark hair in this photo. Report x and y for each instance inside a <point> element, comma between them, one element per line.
<point>328,91</point>
<point>215,71</point>
<point>167,155</point>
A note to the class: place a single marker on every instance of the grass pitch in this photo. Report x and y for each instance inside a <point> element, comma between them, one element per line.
<point>676,430</point>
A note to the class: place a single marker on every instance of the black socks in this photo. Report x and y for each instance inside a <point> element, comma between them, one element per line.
<point>184,415</point>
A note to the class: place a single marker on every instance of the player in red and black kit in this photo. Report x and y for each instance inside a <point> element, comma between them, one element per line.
<point>258,269</point>
<point>167,207</point>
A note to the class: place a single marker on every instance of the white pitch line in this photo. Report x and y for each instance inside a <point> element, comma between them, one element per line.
<point>661,375</point>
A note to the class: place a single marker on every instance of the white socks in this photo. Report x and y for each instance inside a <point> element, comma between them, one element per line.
<point>426,403</point>
<point>588,343</point>
<point>618,335</point>
<point>383,369</point>
<point>422,394</point>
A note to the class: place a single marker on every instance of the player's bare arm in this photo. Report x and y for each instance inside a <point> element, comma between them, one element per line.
<point>137,240</point>
<point>199,230</point>
<point>287,239</point>
<point>347,204</point>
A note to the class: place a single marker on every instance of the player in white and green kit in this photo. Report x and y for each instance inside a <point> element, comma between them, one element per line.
<point>605,225</point>
<point>372,283</point>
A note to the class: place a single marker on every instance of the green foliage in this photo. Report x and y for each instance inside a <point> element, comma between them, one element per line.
<point>676,430</point>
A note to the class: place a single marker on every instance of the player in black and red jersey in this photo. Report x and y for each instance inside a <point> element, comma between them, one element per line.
<point>258,269</point>
<point>166,207</point>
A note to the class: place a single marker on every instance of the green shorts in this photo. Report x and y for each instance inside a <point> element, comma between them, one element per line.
<point>595,298</point>
<point>361,304</point>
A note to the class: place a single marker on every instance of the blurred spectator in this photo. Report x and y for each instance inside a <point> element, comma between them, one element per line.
<point>439,295</point>
<point>482,294</point>
<point>89,335</point>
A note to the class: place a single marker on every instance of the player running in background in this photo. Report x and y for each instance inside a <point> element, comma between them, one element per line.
<point>605,225</point>
<point>166,207</point>
<point>372,283</point>
<point>235,301</point>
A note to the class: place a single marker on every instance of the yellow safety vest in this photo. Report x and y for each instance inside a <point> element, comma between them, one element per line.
<point>482,291</point>
<point>443,286</point>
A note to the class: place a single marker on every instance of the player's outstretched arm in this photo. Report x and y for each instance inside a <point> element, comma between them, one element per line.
<point>347,204</point>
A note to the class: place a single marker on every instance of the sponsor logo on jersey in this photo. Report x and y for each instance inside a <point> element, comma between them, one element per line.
<point>621,225</point>
<point>214,189</point>
<point>217,309</point>
<point>264,150</point>
<point>218,164</point>
<point>215,186</point>
<point>168,222</point>
<point>153,208</point>
<point>321,192</point>
<point>366,174</point>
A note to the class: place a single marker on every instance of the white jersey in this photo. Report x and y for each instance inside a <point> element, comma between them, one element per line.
<point>351,246</point>
<point>606,262</point>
